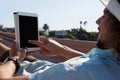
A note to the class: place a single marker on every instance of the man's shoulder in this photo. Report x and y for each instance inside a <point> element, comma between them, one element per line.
<point>89,59</point>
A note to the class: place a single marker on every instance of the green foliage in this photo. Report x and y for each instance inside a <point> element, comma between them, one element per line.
<point>41,33</point>
<point>82,34</point>
<point>93,35</point>
<point>52,33</point>
<point>79,33</point>
<point>70,36</point>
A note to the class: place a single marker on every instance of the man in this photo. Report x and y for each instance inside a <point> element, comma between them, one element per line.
<point>102,63</point>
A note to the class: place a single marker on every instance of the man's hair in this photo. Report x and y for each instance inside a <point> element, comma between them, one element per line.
<point>114,33</point>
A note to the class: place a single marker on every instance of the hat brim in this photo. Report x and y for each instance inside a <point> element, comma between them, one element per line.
<point>113,6</point>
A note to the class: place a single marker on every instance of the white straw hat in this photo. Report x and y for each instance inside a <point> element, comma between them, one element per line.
<point>113,6</point>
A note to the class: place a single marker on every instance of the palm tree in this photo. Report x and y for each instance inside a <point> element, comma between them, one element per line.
<point>46,27</point>
<point>80,24</point>
<point>83,24</point>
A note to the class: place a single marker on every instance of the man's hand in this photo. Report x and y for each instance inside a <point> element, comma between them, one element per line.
<point>16,53</point>
<point>49,46</point>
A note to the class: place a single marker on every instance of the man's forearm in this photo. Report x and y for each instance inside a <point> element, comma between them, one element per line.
<point>70,53</point>
<point>7,69</point>
<point>16,78</point>
<point>3,48</point>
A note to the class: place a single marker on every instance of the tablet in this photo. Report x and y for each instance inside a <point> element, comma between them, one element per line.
<point>26,28</point>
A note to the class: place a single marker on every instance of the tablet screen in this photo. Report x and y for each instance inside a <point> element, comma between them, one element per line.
<point>28,30</point>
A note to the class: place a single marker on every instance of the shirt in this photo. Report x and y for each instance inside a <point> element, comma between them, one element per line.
<point>96,65</point>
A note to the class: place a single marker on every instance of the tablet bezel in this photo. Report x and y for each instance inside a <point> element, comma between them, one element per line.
<point>17,33</point>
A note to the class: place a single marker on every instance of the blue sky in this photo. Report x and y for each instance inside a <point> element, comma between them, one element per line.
<point>58,14</point>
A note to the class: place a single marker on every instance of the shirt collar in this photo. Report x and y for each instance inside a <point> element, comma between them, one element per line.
<point>104,53</point>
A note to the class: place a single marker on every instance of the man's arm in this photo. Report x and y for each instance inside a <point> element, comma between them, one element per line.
<point>49,46</point>
<point>3,48</point>
<point>16,78</point>
<point>7,69</point>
